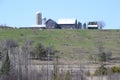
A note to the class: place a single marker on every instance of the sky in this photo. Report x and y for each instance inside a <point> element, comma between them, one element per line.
<point>18,13</point>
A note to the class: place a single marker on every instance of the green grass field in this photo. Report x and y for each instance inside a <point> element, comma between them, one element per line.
<point>74,44</point>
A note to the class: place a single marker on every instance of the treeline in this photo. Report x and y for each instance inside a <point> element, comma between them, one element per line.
<point>16,59</point>
<point>5,27</point>
<point>16,63</point>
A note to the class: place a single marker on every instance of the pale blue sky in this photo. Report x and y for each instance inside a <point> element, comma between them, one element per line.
<point>22,12</point>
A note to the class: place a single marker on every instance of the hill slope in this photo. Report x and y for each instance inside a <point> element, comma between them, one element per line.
<point>74,44</point>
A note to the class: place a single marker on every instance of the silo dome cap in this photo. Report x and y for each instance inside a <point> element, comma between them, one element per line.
<point>43,17</point>
<point>37,12</point>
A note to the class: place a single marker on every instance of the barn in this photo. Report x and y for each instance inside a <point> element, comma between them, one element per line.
<point>67,23</point>
<point>51,24</point>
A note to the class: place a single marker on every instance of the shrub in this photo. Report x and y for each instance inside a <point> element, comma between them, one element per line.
<point>67,76</point>
<point>101,71</point>
<point>115,69</point>
<point>21,34</point>
<point>88,73</point>
<point>58,76</point>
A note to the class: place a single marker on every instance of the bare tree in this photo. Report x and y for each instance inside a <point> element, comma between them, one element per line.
<point>7,47</point>
<point>101,24</point>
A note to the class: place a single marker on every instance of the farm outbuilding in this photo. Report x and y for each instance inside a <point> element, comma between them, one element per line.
<point>93,25</point>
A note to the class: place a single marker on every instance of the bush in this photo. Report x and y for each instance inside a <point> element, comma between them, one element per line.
<point>88,73</point>
<point>101,71</point>
<point>115,69</point>
<point>58,76</point>
<point>67,76</point>
<point>21,34</point>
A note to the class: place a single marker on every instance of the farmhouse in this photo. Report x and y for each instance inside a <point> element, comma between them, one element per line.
<point>67,23</point>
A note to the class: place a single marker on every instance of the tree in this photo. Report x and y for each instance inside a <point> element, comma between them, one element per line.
<point>0,55</point>
<point>9,44</point>
<point>102,57</point>
<point>40,50</point>
<point>108,55</point>
<point>84,26</point>
<point>55,67</point>
<point>79,26</point>
<point>101,24</point>
<point>67,76</point>
<point>101,71</point>
<point>6,47</point>
<point>5,69</point>
<point>101,54</point>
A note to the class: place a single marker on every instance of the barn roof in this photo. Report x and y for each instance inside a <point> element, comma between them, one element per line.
<point>50,20</point>
<point>66,21</point>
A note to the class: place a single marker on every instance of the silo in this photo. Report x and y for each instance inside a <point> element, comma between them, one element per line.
<point>38,18</point>
<point>43,20</point>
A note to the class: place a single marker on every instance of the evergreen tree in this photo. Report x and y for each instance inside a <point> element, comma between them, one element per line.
<point>6,65</point>
<point>102,57</point>
<point>40,50</point>
<point>79,26</point>
<point>102,70</point>
<point>84,26</point>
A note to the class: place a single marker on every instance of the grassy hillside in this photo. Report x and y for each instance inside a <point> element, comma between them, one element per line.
<point>74,44</point>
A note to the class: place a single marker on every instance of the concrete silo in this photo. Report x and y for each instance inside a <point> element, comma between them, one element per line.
<point>43,20</point>
<point>38,18</point>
